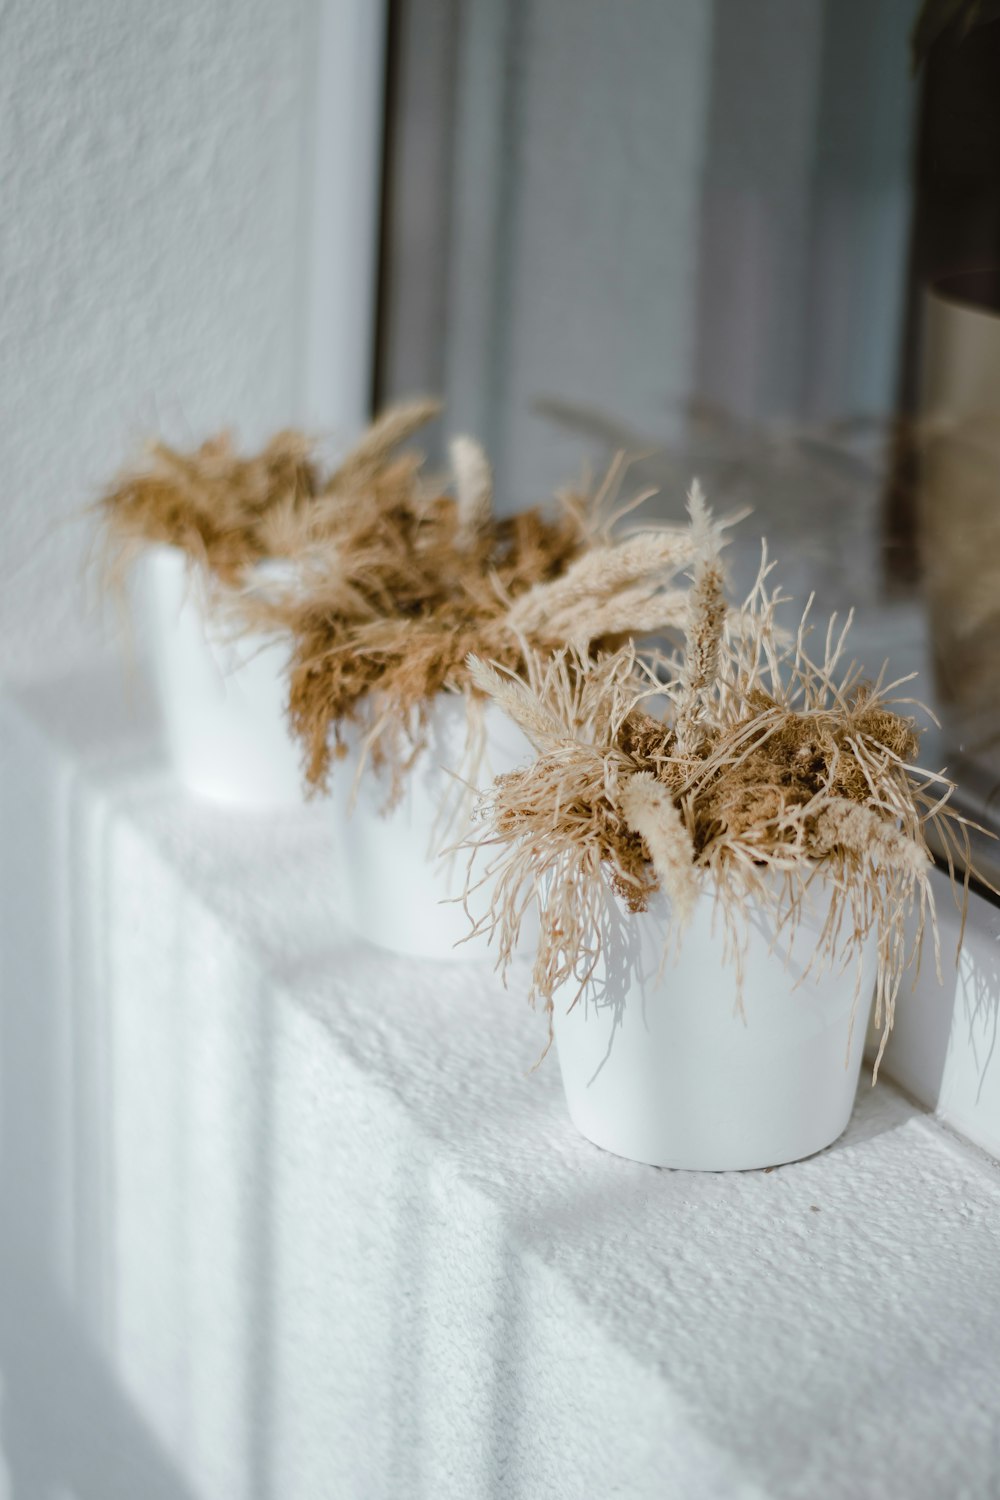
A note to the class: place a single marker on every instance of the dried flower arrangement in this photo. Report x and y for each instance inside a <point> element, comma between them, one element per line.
<point>414,575</point>
<point>398,575</point>
<point>766,770</point>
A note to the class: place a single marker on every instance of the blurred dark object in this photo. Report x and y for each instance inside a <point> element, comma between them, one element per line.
<point>939,17</point>
<point>422,76</point>
<point>959,506</point>
<point>946,498</point>
<point>956,222</point>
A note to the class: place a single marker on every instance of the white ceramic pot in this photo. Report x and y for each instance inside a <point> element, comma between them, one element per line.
<point>399,893</point>
<point>222,698</point>
<point>658,1066</point>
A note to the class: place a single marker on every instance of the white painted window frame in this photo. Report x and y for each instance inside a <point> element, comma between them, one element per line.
<point>944,1047</point>
<point>343,191</point>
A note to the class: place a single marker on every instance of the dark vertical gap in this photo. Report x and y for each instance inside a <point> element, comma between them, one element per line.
<point>390,133</point>
<point>900,547</point>
<point>413,293</point>
<point>498,355</point>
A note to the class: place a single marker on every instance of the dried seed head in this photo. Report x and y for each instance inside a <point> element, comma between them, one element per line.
<point>649,810</point>
<point>473,488</point>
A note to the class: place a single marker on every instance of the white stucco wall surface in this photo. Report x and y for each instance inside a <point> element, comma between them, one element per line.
<point>152,223</point>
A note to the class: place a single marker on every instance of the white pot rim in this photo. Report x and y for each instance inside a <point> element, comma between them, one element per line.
<point>811,918</point>
<point>271,577</point>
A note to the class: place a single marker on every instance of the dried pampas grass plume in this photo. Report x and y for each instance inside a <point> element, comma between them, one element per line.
<point>865,832</point>
<point>565,607</point>
<point>370,455</point>
<point>706,618</point>
<point>518,702</point>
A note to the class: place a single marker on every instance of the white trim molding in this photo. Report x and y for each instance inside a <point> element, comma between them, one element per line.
<point>943,1049</point>
<point>342,195</point>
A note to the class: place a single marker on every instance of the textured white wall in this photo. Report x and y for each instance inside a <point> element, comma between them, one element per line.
<point>152,234</point>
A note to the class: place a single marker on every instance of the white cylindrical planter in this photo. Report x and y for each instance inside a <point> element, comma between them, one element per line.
<point>222,697</point>
<point>399,893</point>
<point>658,1065</point>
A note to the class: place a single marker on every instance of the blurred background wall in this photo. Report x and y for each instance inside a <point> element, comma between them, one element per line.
<point>628,206</point>
<point>159,214</point>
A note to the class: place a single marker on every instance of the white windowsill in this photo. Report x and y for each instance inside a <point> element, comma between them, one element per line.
<point>320,1223</point>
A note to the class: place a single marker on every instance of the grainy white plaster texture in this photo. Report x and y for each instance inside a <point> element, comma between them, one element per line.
<point>153,225</point>
<point>291,1218</point>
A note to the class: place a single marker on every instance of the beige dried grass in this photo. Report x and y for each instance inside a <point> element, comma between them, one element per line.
<point>213,504</point>
<point>229,512</point>
<point>602,577</point>
<point>766,768</point>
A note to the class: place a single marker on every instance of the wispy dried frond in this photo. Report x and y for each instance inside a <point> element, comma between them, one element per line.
<point>519,702</point>
<point>560,609</point>
<point>229,513</point>
<point>433,596</point>
<point>645,609</point>
<point>381,440</point>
